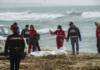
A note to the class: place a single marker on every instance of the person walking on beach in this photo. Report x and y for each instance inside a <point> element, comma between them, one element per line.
<point>35,42</point>
<point>60,36</point>
<point>26,33</point>
<point>74,34</point>
<point>98,36</point>
<point>32,32</point>
<point>16,45</point>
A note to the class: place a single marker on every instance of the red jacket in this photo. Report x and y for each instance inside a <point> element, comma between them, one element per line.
<point>98,32</point>
<point>32,32</point>
<point>60,34</point>
<point>12,29</point>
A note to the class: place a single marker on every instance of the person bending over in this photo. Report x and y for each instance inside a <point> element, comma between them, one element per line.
<point>35,42</point>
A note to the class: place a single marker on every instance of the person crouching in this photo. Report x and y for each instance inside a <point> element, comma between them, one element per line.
<point>35,43</point>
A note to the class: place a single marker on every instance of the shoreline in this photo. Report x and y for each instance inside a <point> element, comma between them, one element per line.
<point>83,61</point>
<point>68,51</point>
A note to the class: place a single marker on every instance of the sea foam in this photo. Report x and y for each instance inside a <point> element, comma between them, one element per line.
<point>9,16</point>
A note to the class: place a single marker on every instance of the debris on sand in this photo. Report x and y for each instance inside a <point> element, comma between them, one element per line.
<point>83,61</point>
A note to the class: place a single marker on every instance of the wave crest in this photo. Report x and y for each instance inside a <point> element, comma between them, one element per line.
<point>9,16</point>
<point>83,14</point>
<point>28,15</point>
<point>90,14</point>
<point>72,12</point>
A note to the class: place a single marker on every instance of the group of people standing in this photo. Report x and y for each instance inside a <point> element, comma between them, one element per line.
<point>29,34</point>
<point>15,42</point>
<point>30,38</point>
<point>73,33</point>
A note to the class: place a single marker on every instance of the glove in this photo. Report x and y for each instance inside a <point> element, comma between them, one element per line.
<point>19,30</point>
<point>80,39</point>
<point>67,40</point>
<point>35,49</point>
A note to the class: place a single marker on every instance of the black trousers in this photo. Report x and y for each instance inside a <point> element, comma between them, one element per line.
<point>98,45</point>
<point>15,58</point>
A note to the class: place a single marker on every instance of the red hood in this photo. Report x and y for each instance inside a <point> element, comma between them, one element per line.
<point>12,27</point>
<point>98,32</point>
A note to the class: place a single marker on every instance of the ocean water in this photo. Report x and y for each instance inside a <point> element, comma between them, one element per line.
<point>45,18</point>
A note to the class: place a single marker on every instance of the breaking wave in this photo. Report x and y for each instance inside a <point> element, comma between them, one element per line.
<point>28,15</point>
<point>84,14</point>
<point>9,16</point>
<point>90,14</point>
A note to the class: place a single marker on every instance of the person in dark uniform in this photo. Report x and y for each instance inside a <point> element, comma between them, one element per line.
<point>16,45</point>
<point>26,33</point>
<point>35,43</point>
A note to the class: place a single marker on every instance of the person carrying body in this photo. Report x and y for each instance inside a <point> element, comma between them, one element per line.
<point>74,34</point>
<point>26,33</point>
<point>60,36</point>
<point>32,32</point>
<point>15,44</point>
<point>98,36</point>
<point>34,42</point>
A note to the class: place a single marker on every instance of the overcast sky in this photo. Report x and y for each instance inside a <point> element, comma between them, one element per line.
<point>55,2</point>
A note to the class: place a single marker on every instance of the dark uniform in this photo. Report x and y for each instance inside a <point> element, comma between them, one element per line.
<point>26,34</point>
<point>15,44</point>
<point>74,34</point>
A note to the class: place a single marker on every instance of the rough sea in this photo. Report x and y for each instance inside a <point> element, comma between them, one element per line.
<point>45,18</point>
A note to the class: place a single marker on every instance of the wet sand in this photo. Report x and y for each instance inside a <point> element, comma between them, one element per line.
<point>83,61</point>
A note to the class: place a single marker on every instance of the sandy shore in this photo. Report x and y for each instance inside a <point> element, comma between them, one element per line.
<point>83,61</point>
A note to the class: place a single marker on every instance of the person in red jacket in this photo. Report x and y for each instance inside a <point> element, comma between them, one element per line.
<point>14,24</point>
<point>32,32</point>
<point>98,36</point>
<point>60,36</point>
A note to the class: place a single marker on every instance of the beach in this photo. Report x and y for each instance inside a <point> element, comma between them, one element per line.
<point>45,18</point>
<point>83,61</point>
